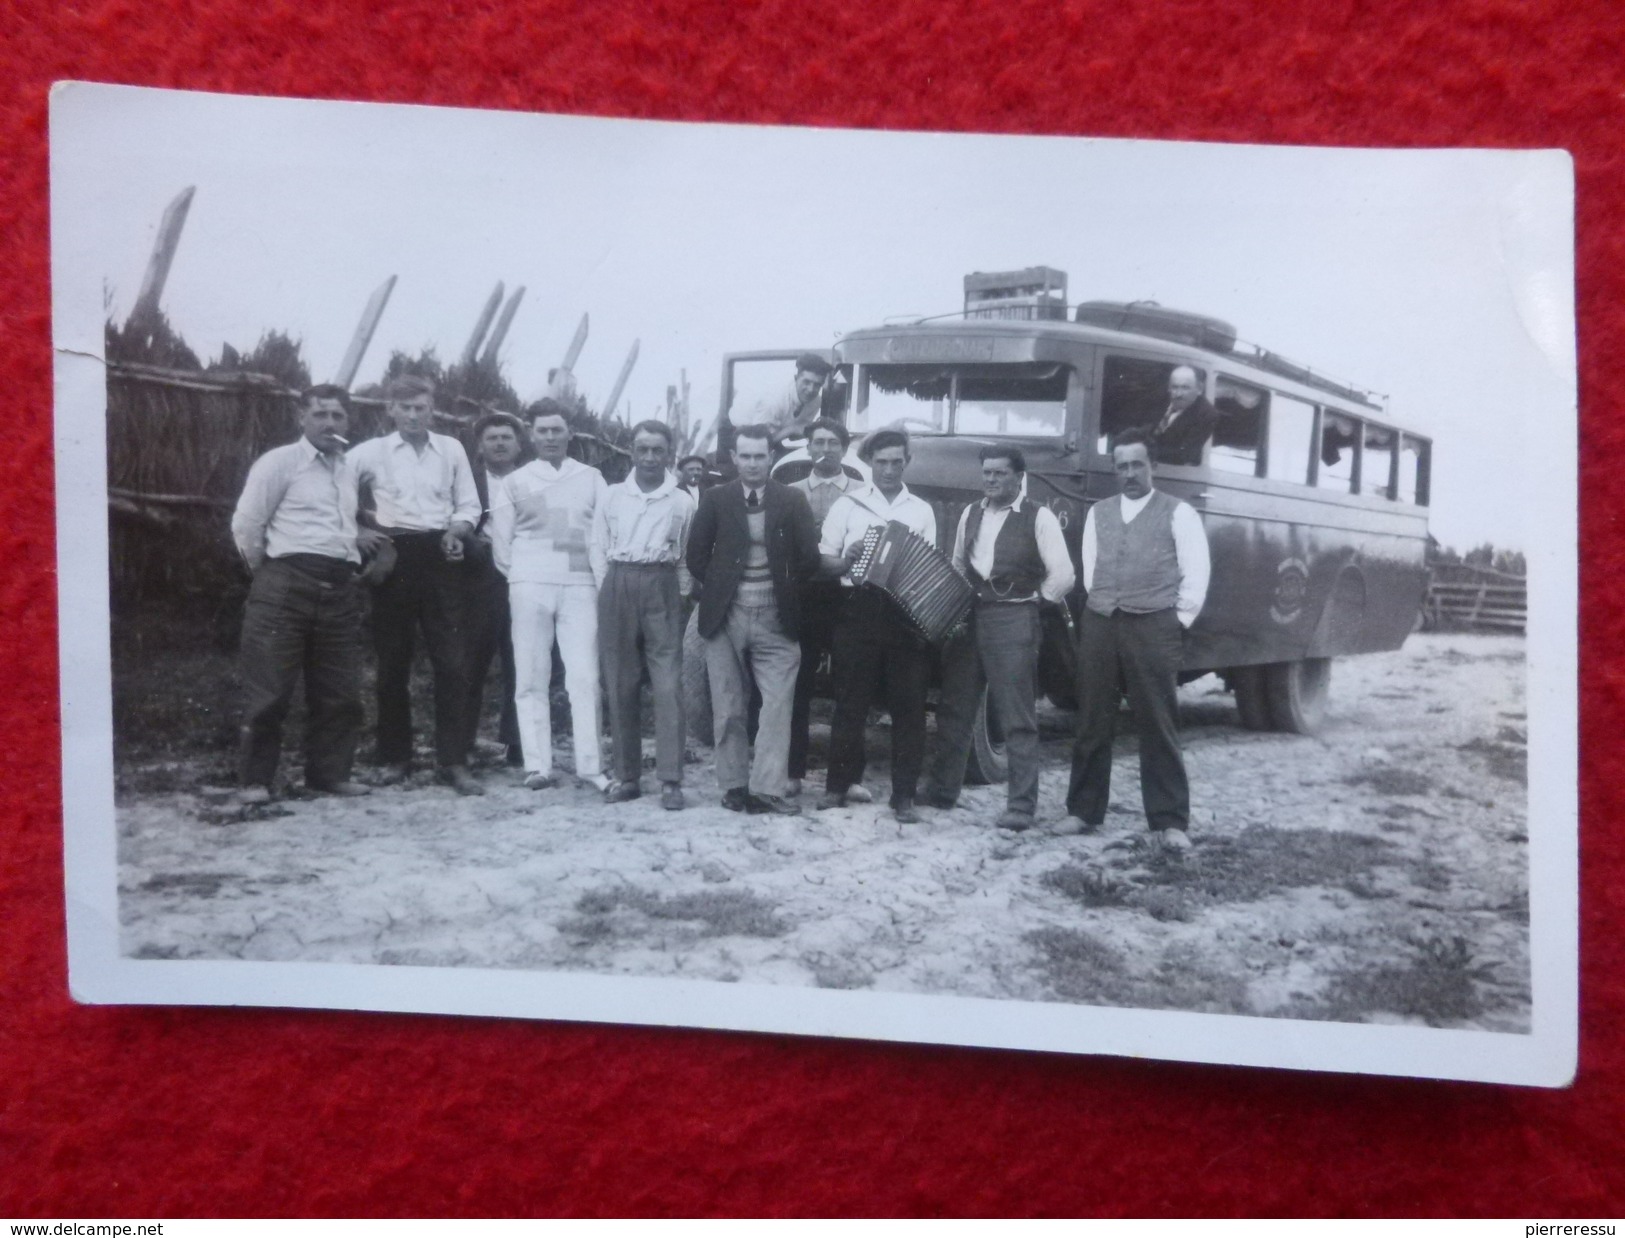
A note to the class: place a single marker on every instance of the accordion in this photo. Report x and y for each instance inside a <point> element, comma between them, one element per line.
<point>915,575</point>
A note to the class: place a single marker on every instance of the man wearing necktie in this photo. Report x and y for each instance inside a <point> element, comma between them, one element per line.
<point>751,546</point>
<point>1188,424</point>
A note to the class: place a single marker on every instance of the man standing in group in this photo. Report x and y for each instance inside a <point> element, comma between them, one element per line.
<point>639,533</point>
<point>425,501</point>
<point>1012,550</point>
<point>789,417</point>
<point>822,596</point>
<point>1145,567</point>
<point>874,641</point>
<point>1188,424</point>
<point>295,525</point>
<point>498,445</point>
<point>691,475</point>
<point>751,546</point>
<point>541,518</point>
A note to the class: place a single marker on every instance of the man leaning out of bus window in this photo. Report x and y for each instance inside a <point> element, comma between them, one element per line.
<point>1145,569</point>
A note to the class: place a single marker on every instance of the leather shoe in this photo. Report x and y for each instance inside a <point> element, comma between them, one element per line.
<point>345,788</point>
<point>857,793</point>
<point>734,799</point>
<point>905,812</point>
<point>772,805</point>
<point>394,774</point>
<point>1073,825</point>
<point>1015,821</point>
<point>251,797</point>
<point>460,780</point>
<point>831,799</point>
<point>620,792</point>
<point>1176,841</point>
<point>671,797</point>
<point>539,781</point>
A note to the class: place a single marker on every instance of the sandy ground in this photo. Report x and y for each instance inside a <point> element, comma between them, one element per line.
<point>1377,872</point>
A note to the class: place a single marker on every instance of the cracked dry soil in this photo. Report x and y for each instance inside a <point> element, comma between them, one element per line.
<point>1377,872</point>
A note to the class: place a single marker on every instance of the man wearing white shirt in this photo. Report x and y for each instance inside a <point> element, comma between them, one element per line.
<point>295,525</point>
<point>541,521</point>
<point>1012,550</point>
<point>639,535</point>
<point>425,501</point>
<point>874,641</point>
<point>1145,568</point>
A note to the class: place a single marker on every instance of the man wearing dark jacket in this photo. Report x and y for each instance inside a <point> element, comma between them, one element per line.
<point>498,450</point>
<point>1188,424</point>
<point>751,546</point>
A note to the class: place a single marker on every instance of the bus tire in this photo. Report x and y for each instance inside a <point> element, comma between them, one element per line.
<point>1252,699</point>
<point>988,762</point>
<point>696,684</point>
<point>1297,694</point>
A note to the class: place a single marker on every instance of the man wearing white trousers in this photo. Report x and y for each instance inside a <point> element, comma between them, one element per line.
<point>541,519</point>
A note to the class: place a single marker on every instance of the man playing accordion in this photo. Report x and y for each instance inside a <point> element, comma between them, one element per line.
<point>874,641</point>
<point>1011,549</point>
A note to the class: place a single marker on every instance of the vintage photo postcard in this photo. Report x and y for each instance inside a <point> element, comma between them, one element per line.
<point>1105,597</point>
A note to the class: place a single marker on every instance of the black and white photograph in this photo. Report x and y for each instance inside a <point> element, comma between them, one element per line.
<point>1095,596</point>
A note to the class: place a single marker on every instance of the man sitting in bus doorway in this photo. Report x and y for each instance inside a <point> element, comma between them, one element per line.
<point>1188,424</point>
<point>874,641</point>
<point>1013,551</point>
<point>789,417</point>
<point>1145,570</point>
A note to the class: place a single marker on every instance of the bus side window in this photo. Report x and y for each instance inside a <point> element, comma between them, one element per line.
<point>1240,429</point>
<point>1413,470</point>
<point>1291,435</point>
<point>1339,447</point>
<point>1134,392</point>
<point>1377,464</point>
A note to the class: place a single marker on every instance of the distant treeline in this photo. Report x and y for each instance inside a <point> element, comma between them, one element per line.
<point>1511,562</point>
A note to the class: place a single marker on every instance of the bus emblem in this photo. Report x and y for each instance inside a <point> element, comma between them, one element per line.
<point>1291,588</point>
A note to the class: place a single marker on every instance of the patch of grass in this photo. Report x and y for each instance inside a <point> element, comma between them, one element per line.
<point>1509,761</point>
<point>1079,967</point>
<point>722,913</point>
<point>1438,984</point>
<point>1090,885</point>
<point>1391,780</point>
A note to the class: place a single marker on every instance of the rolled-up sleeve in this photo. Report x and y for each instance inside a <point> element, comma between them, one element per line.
<point>465,495</point>
<point>1058,574</point>
<point>1195,562</point>
<point>255,508</point>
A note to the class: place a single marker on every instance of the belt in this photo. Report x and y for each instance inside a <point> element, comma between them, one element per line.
<point>396,535</point>
<point>629,565</point>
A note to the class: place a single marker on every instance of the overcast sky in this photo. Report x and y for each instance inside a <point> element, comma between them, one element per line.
<point>1443,279</point>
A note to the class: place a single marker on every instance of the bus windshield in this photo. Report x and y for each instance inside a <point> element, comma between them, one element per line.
<point>1026,400</point>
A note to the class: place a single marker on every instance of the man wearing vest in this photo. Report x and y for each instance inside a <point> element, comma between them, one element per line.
<point>295,525</point>
<point>1013,551</point>
<point>1145,569</point>
<point>751,546</point>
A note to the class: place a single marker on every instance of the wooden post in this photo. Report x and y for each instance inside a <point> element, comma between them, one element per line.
<point>577,343</point>
<point>363,334</point>
<point>620,382</point>
<point>500,331</point>
<point>482,324</point>
<point>163,254</point>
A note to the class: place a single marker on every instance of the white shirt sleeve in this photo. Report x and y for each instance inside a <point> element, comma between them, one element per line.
<point>1090,550</point>
<point>1058,574</point>
<point>465,496</point>
<point>503,515</point>
<point>254,511</point>
<point>832,537</point>
<point>598,542</point>
<point>1195,563</point>
<point>961,555</point>
<point>685,582</point>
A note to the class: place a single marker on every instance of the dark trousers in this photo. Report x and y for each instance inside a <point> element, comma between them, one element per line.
<point>999,651</point>
<point>490,638</point>
<point>424,593</point>
<point>820,612</point>
<point>640,624</point>
<point>1140,655</point>
<point>876,649</point>
<point>295,623</point>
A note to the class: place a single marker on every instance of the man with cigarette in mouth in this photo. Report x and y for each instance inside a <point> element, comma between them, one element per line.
<point>426,502</point>
<point>295,525</point>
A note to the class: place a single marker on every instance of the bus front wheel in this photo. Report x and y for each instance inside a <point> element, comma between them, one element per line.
<point>1297,693</point>
<point>988,761</point>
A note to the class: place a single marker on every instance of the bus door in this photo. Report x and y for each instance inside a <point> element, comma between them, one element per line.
<point>760,387</point>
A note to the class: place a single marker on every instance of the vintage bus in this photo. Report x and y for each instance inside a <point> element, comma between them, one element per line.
<point>1314,499</point>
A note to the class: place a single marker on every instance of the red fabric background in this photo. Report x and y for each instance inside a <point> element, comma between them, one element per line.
<point>158,1112</point>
